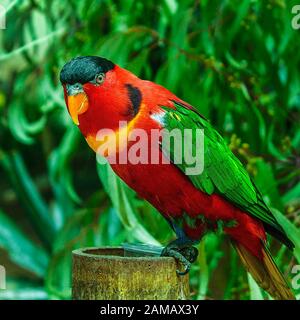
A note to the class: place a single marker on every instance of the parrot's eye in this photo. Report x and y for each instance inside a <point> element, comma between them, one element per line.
<point>100,78</point>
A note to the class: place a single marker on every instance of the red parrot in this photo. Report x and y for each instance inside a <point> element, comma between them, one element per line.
<point>99,95</point>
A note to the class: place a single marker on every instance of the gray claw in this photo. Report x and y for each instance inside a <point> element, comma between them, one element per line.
<point>180,257</point>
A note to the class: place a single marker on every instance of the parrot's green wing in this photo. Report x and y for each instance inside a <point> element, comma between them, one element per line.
<point>223,173</point>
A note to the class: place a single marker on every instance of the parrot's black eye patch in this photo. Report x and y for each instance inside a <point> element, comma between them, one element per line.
<point>135,97</point>
<point>84,69</point>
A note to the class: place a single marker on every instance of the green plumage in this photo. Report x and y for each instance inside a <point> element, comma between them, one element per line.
<point>223,173</point>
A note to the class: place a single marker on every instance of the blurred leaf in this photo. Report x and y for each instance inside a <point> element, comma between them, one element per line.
<point>24,293</point>
<point>292,194</point>
<point>60,173</point>
<point>204,272</point>
<point>32,44</point>
<point>291,230</point>
<point>267,184</point>
<point>255,291</point>
<point>21,250</point>
<point>271,147</point>
<point>37,209</point>
<point>240,13</point>
<point>16,124</point>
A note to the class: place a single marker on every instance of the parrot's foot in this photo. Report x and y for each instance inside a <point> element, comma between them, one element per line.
<point>184,254</point>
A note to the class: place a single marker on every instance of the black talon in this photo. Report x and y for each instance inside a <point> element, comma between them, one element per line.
<point>186,270</point>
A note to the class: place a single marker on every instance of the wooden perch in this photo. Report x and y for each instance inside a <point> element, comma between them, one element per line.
<point>106,274</point>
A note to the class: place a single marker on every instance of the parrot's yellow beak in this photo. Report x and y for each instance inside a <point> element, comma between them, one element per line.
<point>77,104</point>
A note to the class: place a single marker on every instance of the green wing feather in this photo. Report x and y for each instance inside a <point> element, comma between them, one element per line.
<point>223,173</point>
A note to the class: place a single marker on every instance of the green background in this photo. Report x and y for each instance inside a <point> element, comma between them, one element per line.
<point>236,61</point>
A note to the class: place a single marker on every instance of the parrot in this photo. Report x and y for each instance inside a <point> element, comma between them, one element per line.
<point>100,94</point>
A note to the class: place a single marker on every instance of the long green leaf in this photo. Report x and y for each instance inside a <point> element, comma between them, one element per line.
<point>28,194</point>
<point>20,248</point>
<point>291,230</point>
<point>255,291</point>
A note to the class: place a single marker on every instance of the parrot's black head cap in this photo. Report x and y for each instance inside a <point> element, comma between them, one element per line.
<point>84,69</point>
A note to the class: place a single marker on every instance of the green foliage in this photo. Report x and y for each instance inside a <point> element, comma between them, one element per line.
<point>236,61</point>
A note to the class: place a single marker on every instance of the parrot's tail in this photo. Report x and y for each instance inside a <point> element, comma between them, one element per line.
<point>265,272</point>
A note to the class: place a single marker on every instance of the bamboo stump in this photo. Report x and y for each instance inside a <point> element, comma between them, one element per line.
<point>106,274</point>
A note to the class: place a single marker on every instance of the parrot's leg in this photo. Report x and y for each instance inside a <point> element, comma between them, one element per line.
<point>181,249</point>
